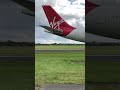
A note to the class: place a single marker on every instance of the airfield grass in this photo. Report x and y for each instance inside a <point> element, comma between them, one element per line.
<point>103,75</point>
<point>16,75</point>
<point>16,51</point>
<point>29,51</point>
<point>59,47</point>
<point>104,72</point>
<point>90,50</point>
<point>59,68</point>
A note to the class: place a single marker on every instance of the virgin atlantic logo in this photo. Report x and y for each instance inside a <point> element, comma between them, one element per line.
<point>56,24</point>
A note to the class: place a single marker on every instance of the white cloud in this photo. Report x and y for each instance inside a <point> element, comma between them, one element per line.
<point>74,14</point>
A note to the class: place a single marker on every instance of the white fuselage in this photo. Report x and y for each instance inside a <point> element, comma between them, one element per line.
<point>77,34</point>
<point>103,20</point>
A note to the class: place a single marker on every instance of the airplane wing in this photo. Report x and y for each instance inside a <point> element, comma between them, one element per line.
<point>30,5</point>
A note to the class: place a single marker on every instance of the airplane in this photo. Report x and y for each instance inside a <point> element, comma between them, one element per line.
<point>60,27</point>
<point>102,18</point>
<point>29,5</point>
<point>64,29</point>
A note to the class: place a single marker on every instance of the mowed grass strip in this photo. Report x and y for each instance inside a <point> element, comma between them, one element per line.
<point>59,47</point>
<point>103,75</point>
<point>60,67</point>
<point>104,71</point>
<point>16,75</point>
<point>17,51</point>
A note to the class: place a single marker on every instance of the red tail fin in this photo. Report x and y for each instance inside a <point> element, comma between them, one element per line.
<point>56,22</point>
<point>89,6</point>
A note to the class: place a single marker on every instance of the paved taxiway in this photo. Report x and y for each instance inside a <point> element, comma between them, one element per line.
<point>61,87</point>
<point>16,58</point>
<point>103,57</point>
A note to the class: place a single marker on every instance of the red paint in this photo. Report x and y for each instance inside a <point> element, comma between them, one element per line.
<point>89,6</point>
<point>56,22</point>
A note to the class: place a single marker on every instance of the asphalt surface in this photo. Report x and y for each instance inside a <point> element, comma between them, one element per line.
<point>61,87</point>
<point>16,58</point>
<point>59,50</point>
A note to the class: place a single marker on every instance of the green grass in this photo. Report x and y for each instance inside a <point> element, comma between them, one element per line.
<point>103,71</point>
<point>16,51</point>
<point>60,67</point>
<point>59,47</point>
<point>16,75</point>
<point>103,75</point>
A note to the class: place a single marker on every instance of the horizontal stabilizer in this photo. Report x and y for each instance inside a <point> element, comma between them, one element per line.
<point>52,30</point>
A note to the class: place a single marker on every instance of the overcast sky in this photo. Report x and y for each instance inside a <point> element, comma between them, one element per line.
<point>16,26</point>
<point>72,11</point>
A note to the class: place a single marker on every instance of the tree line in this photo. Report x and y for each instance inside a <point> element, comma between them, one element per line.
<point>13,43</point>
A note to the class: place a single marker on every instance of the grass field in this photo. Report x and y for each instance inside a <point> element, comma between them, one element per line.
<point>59,47</point>
<point>103,75</point>
<point>70,67</point>
<point>16,75</point>
<point>103,71</point>
<point>60,67</point>
<point>17,51</point>
<point>29,51</point>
